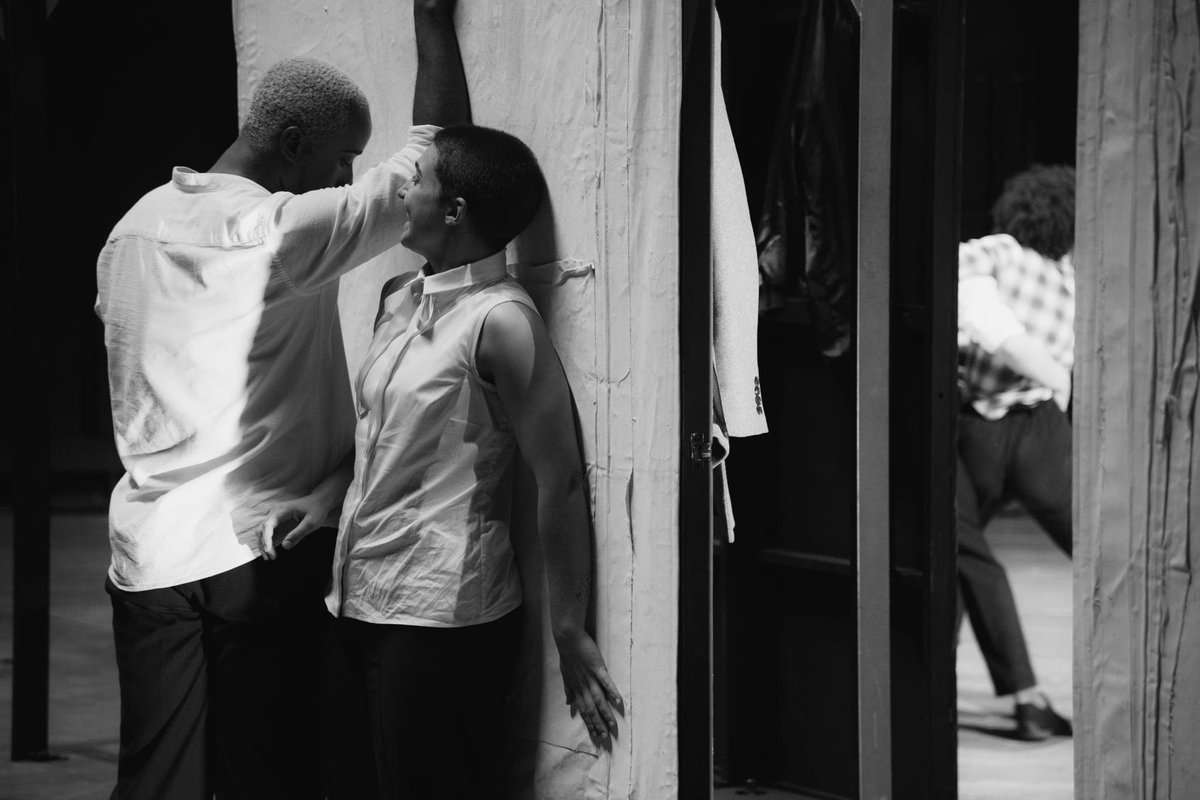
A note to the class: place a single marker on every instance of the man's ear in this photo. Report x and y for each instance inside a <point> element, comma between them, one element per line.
<point>293,144</point>
<point>456,211</point>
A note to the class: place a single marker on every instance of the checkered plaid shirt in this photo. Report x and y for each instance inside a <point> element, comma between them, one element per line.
<point>1005,289</point>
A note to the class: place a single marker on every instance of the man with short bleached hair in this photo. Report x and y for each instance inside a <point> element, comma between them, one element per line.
<point>218,293</point>
<point>309,93</point>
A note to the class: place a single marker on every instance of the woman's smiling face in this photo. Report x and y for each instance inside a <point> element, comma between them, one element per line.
<point>425,228</point>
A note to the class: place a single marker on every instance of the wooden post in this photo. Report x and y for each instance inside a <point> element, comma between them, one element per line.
<point>1137,613</point>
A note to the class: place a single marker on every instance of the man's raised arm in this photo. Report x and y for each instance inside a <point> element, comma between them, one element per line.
<point>441,95</point>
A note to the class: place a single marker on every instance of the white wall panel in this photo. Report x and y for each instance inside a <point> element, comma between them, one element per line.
<point>593,88</point>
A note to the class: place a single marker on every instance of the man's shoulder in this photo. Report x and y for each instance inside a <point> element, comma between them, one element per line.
<point>990,254</point>
<point>234,217</point>
<point>149,204</point>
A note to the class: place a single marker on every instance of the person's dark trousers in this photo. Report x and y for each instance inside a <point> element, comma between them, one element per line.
<point>1026,456</point>
<point>219,681</point>
<point>345,721</point>
<point>435,700</point>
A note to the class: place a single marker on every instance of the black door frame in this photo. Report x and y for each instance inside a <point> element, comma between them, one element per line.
<point>695,653</point>
<point>875,568</point>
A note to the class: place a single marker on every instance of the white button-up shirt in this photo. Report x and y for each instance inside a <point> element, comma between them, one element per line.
<point>424,534</point>
<point>225,359</point>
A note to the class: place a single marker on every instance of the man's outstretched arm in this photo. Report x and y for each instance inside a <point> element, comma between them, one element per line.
<point>441,95</point>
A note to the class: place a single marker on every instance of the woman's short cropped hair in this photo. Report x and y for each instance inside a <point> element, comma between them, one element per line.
<point>311,94</point>
<point>496,173</point>
<point>1037,208</point>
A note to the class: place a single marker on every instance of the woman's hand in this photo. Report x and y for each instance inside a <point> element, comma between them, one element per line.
<point>590,691</point>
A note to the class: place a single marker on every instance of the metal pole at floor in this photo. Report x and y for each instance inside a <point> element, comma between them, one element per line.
<point>29,264</point>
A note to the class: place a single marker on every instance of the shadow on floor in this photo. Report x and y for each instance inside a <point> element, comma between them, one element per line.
<point>83,706</point>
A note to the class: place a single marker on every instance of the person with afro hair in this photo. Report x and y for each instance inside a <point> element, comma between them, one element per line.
<point>1016,314</point>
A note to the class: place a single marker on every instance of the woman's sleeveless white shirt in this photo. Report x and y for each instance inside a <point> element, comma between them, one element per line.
<point>424,532</point>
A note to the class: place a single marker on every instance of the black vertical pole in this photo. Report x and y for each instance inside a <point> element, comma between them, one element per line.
<point>30,264</point>
<point>695,673</point>
<point>943,399</point>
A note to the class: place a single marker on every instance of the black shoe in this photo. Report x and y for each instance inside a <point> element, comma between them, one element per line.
<point>1037,723</point>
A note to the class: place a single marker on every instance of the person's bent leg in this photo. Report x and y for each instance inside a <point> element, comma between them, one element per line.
<point>163,685</point>
<point>983,582</point>
<point>1041,472</point>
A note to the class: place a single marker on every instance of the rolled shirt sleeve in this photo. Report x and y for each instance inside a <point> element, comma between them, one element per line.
<point>983,316</point>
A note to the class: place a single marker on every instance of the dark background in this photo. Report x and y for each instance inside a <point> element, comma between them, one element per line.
<point>130,90</point>
<point>785,600</point>
<point>134,88</point>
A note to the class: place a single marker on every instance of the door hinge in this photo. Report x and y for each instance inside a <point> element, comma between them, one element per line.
<point>701,446</point>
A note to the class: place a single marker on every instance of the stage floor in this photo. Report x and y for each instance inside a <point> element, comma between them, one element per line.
<point>83,683</point>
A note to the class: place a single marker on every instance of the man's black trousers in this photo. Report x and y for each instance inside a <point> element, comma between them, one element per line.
<point>220,681</point>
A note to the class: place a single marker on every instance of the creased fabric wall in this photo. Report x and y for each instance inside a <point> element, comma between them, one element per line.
<point>1137,613</point>
<point>593,89</point>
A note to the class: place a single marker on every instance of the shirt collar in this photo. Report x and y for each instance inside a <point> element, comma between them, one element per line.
<point>469,274</point>
<point>188,180</point>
